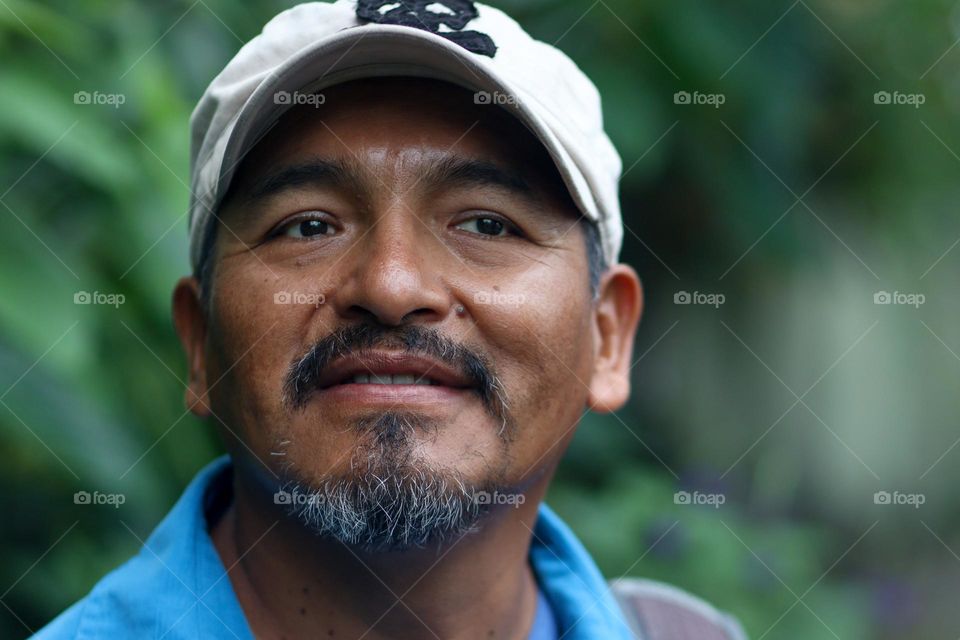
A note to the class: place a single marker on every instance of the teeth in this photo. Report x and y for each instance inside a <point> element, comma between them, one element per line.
<point>400,378</point>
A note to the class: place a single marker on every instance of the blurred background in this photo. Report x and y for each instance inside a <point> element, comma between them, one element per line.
<point>791,190</point>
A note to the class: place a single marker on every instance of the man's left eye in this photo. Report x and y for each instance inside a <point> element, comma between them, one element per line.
<point>485,225</point>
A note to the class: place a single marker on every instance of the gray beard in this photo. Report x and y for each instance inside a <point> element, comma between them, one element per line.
<point>390,501</point>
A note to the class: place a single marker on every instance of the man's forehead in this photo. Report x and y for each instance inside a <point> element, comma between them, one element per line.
<point>430,128</point>
<point>392,112</point>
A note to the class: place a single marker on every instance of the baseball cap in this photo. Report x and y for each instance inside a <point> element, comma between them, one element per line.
<point>316,45</point>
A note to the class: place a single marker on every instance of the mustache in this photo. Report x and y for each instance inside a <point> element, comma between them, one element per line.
<point>302,378</point>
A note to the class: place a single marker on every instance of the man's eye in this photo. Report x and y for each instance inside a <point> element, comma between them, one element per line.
<point>485,226</point>
<point>306,228</point>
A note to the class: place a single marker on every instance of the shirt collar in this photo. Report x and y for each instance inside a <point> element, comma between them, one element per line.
<point>580,597</point>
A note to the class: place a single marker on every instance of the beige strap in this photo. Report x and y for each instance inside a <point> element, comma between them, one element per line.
<point>658,611</point>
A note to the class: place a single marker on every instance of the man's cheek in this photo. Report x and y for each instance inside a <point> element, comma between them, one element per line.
<point>246,378</point>
<point>542,376</point>
<point>550,342</point>
<point>249,329</point>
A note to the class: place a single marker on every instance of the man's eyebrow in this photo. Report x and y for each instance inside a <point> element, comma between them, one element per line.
<point>455,170</point>
<point>445,172</point>
<point>316,173</point>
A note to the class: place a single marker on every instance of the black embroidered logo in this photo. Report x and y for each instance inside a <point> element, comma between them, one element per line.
<point>419,15</point>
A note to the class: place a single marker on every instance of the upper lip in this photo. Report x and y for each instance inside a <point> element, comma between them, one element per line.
<point>383,363</point>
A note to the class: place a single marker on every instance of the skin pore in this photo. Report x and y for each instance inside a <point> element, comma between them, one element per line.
<point>398,203</point>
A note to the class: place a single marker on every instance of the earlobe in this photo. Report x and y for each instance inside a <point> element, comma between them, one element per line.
<point>616,316</point>
<point>190,321</point>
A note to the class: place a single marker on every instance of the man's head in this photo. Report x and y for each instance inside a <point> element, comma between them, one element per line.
<point>395,313</point>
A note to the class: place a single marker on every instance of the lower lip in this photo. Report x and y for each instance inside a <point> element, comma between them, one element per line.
<point>390,394</point>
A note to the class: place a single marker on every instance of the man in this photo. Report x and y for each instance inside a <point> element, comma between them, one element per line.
<point>404,235</point>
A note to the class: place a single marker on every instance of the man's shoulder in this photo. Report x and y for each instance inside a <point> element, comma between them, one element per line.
<point>174,587</point>
<point>659,610</point>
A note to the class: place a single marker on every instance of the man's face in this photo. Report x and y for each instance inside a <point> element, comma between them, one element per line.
<point>399,234</point>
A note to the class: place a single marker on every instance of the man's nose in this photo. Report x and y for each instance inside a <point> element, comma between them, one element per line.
<point>394,273</point>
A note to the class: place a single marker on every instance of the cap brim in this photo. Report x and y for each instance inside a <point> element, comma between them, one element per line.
<point>387,50</point>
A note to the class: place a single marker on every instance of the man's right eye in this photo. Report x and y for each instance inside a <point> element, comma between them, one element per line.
<point>305,228</point>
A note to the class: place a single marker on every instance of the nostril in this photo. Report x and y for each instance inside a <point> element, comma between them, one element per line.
<point>418,313</point>
<point>359,312</point>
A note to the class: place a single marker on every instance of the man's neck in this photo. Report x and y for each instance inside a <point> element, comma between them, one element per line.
<point>292,584</point>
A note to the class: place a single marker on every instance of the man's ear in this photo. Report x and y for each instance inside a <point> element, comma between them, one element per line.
<point>615,318</point>
<point>191,323</point>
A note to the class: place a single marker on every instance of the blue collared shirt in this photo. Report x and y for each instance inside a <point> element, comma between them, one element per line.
<point>176,587</point>
<point>544,622</point>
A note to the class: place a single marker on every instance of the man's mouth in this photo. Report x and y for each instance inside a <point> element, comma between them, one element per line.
<point>400,378</point>
<point>391,368</point>
<point>366,367</point>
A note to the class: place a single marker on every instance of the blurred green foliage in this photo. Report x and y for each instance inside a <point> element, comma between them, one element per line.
<point>798,198</point>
